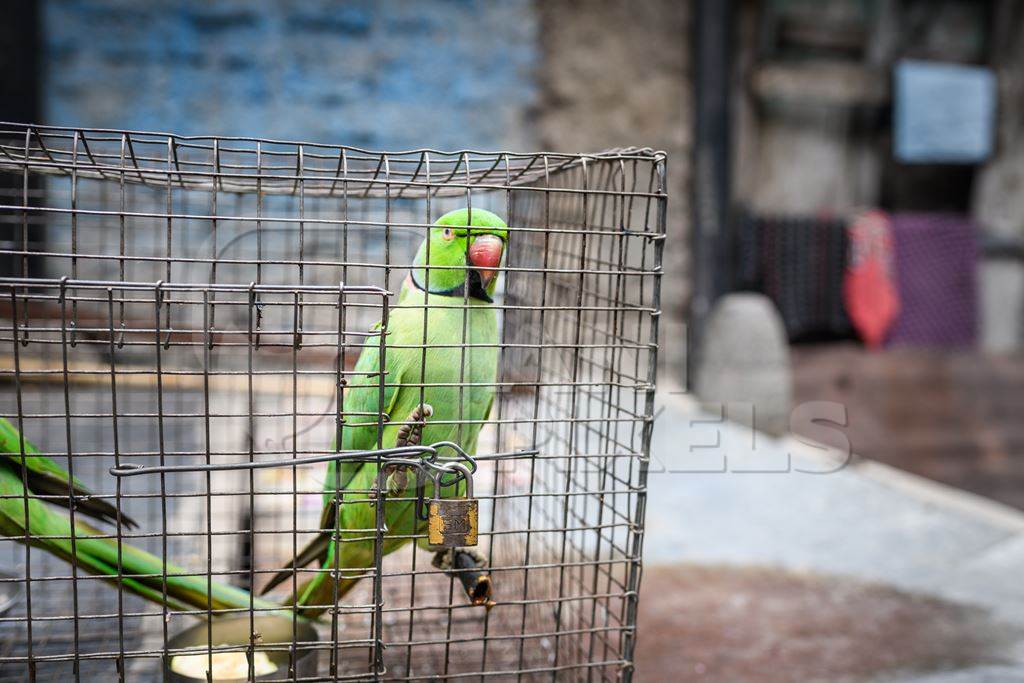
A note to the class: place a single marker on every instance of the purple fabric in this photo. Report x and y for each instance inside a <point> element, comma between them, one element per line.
<point>936,273</point>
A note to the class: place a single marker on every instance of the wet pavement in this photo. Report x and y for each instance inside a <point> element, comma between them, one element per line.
<point>776,560</point>
<point>948,415</point>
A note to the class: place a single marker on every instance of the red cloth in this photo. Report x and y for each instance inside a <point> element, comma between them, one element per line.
<point>869,288</point>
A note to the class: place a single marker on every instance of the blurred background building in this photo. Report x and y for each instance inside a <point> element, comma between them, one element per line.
<point>869,184</point>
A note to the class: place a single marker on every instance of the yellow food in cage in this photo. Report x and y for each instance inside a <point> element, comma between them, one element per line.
<point>226,665</point>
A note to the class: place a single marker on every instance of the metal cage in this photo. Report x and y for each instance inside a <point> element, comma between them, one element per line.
<point>198,303</point>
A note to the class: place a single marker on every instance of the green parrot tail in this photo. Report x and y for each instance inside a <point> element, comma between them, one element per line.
<point>129,567</point>
<point>45,477</point>
<point>317,595</point>
<point>144,574</point>
<point>354,563</point>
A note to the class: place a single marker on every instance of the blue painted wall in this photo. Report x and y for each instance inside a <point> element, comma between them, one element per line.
<point>390,75</point>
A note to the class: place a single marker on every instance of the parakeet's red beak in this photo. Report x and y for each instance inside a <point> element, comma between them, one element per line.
<point>485,256</point>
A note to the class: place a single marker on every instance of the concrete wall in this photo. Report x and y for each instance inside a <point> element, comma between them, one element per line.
<point>617,73</point>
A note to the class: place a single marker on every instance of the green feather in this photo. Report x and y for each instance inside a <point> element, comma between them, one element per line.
<point>10,443</point>
<point>47,478</point>
<point>51,531</point>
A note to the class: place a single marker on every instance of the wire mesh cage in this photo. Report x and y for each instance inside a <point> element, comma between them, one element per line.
<point>186,324</point>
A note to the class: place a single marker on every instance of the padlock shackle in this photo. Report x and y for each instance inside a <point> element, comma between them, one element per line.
<point>434,471</point>
<point>448,468</point>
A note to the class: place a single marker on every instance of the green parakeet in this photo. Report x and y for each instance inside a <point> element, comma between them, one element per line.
<point>50,530</point>
<point>463,250</point>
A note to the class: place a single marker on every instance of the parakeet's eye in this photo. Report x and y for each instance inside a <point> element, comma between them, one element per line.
<point>448,234</point>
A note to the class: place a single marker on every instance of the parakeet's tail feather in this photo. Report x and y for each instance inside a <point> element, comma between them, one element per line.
<point>45,477</point>
<point>143,573</point>
<point>56,492</point>
<point>315,550</point>
<point>94,566</point>
<point>25,516</point>
<point>317,595</point>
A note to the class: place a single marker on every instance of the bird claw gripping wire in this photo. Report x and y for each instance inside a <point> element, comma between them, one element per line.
<point>409,434</point>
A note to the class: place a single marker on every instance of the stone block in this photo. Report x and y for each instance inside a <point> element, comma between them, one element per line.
<point>744,359</point>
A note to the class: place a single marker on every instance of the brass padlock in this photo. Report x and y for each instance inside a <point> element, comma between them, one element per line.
<point>452,522</point>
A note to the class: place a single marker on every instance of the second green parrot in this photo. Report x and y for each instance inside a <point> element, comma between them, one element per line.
<point>28,483</point>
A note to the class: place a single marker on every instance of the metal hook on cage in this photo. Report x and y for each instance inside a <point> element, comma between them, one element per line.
<point>422,513</point>
<point>210,304</point>
<point>255,305</point>
<point>62,300</point>
<point>167,319</point>
<point>116,340</point>
<point>258,306</point>
<point>390,455</point>
<point>297,322</point>
<point>460,454</point>
<point>14,319</point>
<point>24,332</point>
<point>429,468</point>
<point>158,296</point>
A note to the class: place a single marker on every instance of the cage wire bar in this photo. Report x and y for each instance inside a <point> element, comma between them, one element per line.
<point>200,302</point>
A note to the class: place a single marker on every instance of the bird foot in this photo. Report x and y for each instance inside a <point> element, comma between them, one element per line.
<point>411,431</point>
<point>396,479</point>
<point>463,557</point>
<point>469,566</point>
<point>409,434</point>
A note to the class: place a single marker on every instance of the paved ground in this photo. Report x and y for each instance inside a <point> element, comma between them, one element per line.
<point>774,560</point>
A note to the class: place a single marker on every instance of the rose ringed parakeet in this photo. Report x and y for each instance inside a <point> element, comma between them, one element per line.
<point>51,530</point>
<point>445,392</point>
